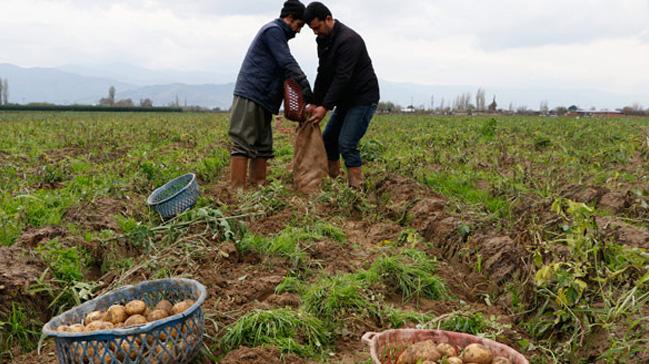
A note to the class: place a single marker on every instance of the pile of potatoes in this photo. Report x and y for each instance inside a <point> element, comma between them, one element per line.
<point>429,352</point>
<point>132,314</point>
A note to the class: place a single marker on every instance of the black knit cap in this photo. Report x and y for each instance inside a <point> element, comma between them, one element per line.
<point>294,8</point>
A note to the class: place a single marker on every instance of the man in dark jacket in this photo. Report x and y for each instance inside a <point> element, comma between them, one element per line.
<point>346,81</point>
<point>258,94</point>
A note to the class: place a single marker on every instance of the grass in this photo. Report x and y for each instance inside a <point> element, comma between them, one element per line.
<point>489,167</point>
<point>18,329</point>
<point>337,298</point>
<point>291,331</point>
<point>411,273</point>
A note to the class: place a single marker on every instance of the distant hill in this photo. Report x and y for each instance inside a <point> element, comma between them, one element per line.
<point>55,86</point>
<point>195,88</point>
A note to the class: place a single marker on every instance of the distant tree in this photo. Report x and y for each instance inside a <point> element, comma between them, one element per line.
<point>5,92</point>
<point>561,110</point>
<point>493,107</point>
<point>111,94</point>
<point>573,108</point>
<point>110,100</point>
<point>634,109</point>
<point>146,103</point>
<point>480,100</point>
<point>543,108</point>
<point>125,103</point>
<point>388,107</point>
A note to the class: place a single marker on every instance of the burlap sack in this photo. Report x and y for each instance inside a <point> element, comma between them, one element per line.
<point>309,158</point>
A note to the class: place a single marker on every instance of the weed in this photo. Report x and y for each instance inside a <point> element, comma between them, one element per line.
<point>19,328</point>
<point>291,331</point>
<point>411,273</point>
<point>337,298</point>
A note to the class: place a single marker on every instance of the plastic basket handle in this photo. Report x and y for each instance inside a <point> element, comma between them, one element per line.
<point>368,337</point>
<point>294,105</point>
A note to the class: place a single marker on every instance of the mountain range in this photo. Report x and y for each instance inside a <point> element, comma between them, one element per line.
<point>78,84</point>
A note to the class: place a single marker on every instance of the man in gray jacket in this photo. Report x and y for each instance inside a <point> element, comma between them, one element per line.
<point>258,95</point>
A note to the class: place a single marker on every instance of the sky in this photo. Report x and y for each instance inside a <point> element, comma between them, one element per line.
<point>550,44</point>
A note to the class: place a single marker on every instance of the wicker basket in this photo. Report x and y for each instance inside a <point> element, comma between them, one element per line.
<point>294,105</point>
<point>386,346</point>
<point>175,196</point>
<point>175,339</point>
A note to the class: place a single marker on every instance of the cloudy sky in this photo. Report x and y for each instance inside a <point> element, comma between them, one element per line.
<point>586,44</point>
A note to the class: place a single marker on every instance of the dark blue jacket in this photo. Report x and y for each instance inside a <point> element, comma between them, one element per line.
<point>267,64</point>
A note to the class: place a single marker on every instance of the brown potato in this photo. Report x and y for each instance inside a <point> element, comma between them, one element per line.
<point>446,349</point>
<point>130,350</point>
<point>453,360</point>
<point>63,328</point>
<point>77,328</point>
<point>135,320</point>
<point>501,360</point>
<point>99,325</point>
<point>95,316</point>
<point>477,353</point>
<point>135,307</point>
<point>421,351</point>
<point>116,314</point>
<point>102,357</point>
<point>156,315</point>
<point>182,306</point>
<point>164,305</point>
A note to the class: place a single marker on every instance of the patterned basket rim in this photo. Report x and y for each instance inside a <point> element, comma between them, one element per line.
<point>50,331</point>
<point>372,340</point>
<point>152,203</point>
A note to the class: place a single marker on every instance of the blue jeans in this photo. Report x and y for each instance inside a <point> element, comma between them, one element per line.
<point>343,132</point>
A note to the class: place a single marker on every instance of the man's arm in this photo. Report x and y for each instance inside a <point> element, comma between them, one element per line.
<point>275,41</point>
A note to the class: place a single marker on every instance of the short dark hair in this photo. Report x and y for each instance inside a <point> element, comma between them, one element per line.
<point>314,10</point>
<point>294,9</point>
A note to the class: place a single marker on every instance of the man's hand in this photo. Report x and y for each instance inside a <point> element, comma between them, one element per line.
<point>317,114</point>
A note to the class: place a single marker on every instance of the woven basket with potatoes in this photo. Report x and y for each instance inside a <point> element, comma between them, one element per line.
<point>154,322</point>
<point>412,346</point>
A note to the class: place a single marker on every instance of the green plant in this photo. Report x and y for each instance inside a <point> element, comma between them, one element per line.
<point>338,298</point>
<point>18,328</point>
<point>411,273</point>
<point>291,331</point>
<point>66,263</point>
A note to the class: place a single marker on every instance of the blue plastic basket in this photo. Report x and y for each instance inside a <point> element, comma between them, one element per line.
<point>175,339</point>
<point>175,196</point>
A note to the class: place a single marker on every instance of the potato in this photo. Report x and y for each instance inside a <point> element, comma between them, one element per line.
<point>135,307</point>
<point>156,315</point>
<point>63,328</point>
<point>116,314</point>
<point>135,320</point>
<point>477,353</point>
<point>501,360</point>
<point>102,357</point>
<point>446,349</point>
<point>452,360</point>
<point>421,351</point>
<point>77,328</point>
<point>164,305</point>
<point>182,306</point>
<point>130,350</point>
<point>99,325</point>
<point>95,316</point>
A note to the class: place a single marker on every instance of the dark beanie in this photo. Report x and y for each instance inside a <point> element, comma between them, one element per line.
<point>294,8</point>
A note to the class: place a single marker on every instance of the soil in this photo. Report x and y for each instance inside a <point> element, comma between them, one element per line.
<point>18,269</point>
<point>260,355</point>
<point>96,215</point>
